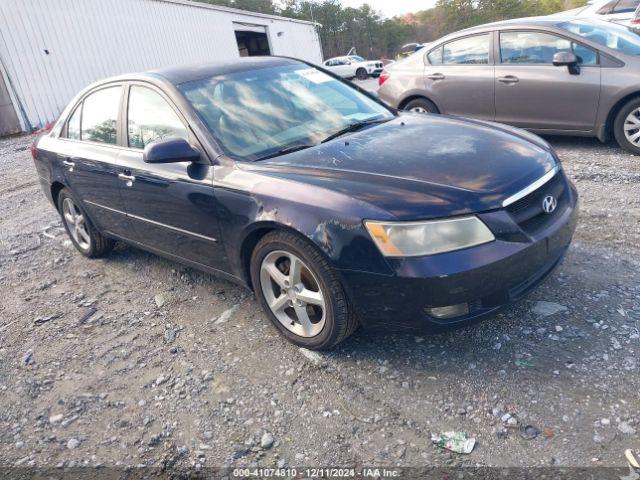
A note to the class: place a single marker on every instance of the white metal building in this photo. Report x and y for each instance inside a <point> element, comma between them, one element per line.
<point>51,49</point>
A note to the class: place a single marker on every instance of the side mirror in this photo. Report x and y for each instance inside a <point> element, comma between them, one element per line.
<point>567,59</point>
<point>170,150</point>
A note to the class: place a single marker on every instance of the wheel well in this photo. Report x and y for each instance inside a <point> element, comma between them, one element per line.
<point>252,239</point>
<point>56,187</point>
<point>616,108</point>
<point>404,102</point>
<point>247,247</point>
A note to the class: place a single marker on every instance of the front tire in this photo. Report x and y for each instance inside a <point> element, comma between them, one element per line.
<point>300,292</point>
<point>626,127</point>
<point>361,74</point>
<point>84,236</point>
<point>421,105</point>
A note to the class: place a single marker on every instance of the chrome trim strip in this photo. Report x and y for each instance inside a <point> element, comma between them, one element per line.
<point>153,222</point>
<point>534,186</point>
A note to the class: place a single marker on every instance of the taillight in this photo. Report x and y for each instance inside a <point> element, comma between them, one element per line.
<point>33,150</point>
<point>635,21</point>
<point>383,77</point>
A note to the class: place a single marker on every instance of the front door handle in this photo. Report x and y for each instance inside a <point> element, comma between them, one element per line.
<point>129,179</point>
<point>69,163</point>
<point>508,79</point>
<point>436,76</point>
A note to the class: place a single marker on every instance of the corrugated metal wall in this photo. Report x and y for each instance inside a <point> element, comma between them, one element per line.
<point>53,48</point>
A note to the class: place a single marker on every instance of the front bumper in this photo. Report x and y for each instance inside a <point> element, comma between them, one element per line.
<point>487,277</point>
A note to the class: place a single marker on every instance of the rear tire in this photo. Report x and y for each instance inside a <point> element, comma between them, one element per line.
<point>323,321</point>
<point>361,74</point>
<point>84,236</point>
<point>421,105</point>
<point>626,126</point>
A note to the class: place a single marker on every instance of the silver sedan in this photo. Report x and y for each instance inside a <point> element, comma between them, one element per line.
<point>551,75</point>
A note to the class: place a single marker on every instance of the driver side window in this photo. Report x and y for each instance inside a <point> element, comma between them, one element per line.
<point>151,118</point>
<point>538,48</point>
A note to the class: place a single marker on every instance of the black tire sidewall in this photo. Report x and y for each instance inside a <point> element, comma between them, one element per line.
<point>328,336</point>
<point>360,75</point>
<point>428,105</point>
<point>91,251</point>
<point>618,127</point>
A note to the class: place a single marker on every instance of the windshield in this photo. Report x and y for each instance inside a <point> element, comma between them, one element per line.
<point>617,37</point>
<point>257,113</point>
<point>357,58</point>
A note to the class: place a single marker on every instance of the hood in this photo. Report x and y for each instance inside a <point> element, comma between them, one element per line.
<point>422,166</point>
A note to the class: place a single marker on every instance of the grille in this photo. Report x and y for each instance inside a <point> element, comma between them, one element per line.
<point>527,212</point>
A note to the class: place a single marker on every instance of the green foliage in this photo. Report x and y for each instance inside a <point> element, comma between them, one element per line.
<point>374,36</point>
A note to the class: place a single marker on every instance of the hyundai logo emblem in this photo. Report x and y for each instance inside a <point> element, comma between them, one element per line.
<point>549,204</point>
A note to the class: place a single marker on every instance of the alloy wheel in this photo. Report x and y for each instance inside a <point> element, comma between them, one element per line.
<point>632,127</point>
<point>76,223</point>
<point>293,293</point>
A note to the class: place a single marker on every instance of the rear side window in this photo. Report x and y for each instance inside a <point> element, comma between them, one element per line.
<point>467,51</point>
<point>607,8</point>
<point>626,6</point>
<point>537,48</point>
<point>100,116</point>
<point>151,118</point>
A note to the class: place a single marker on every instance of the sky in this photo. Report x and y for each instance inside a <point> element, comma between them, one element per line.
<point>393,7</point>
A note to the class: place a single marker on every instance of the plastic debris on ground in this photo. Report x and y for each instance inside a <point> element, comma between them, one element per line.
<point>529,432</point>
<point>457,442</point>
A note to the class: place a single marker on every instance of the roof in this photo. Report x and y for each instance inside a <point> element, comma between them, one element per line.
<point>188,73</point>
<point>238,11</point>
<point>549,21</point>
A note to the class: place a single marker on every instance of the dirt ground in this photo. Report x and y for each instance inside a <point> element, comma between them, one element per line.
<point>133,360</point>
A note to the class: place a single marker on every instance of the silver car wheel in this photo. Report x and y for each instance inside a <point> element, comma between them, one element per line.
<point>419,110</point>
<point>76,223</point>
<point>293,293</point>
<point>632,127</point>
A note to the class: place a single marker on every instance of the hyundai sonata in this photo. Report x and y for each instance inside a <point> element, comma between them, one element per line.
<point>336,210</point>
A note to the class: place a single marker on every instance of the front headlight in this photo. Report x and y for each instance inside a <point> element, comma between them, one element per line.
<point>412,239</point>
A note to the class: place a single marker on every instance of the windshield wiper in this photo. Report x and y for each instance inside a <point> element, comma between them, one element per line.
<point>285,150</point>
<point>352,127</point>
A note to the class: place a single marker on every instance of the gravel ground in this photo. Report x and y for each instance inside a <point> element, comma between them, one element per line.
<point>134,360</point>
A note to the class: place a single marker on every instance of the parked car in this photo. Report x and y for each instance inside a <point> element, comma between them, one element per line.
<point>408,49</point>
<point>353,66</point>
<point>619,11</point>
<point>549,75</point>
<point>333,208</point>
<point>634,21</point>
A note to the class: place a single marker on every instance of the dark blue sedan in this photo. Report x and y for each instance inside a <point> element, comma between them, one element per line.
<point>336,210</point>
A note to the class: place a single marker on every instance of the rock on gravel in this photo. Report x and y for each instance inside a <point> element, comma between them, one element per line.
<point>314,357</point>
<point>267,440</point>
<point>545,309</point>
<point>73,443</point>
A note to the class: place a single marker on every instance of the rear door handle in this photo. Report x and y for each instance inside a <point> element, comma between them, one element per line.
<point>508,79</point>
<point>436,76</point>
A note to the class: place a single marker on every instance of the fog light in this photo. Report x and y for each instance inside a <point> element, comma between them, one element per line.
<point>449,311</point>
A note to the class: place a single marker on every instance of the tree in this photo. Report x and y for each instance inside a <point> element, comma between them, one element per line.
<point>374,36</point>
